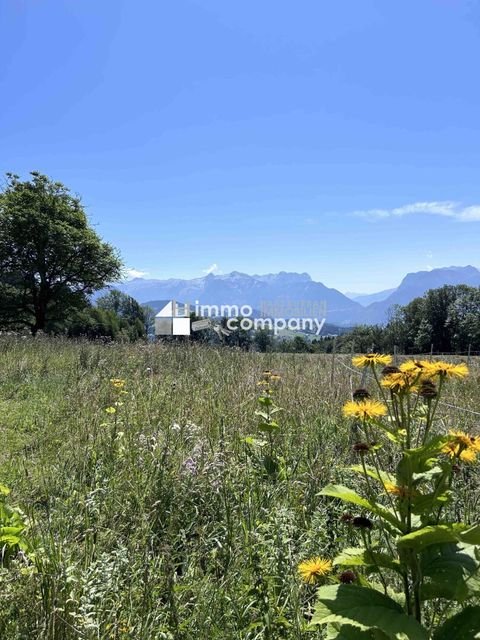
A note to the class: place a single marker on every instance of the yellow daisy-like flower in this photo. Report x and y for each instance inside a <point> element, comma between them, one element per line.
<point>403,381</point>
<point>463,446</point>
<point>314,569</point>
<point>465,439</point>
<point>118,383</point>
<point>366,410</point>
<point>110,410</point>
<point>371,360</point>
<point>446,370</point>
<point>414,366</point>
<point>469,456</point>
<point>395,490</point>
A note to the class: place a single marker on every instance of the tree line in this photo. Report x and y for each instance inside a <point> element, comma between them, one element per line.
<point>444,320</point>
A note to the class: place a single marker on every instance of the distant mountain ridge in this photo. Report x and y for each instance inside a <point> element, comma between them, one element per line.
<point>238,288</point>
<point>415,285</point>
<point>254,290</point>
<point>367,298</point>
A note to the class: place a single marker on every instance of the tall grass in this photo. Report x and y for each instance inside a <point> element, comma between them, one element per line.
<point>152,522</point>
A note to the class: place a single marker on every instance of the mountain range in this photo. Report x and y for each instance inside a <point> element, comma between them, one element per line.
<point>285,288</point>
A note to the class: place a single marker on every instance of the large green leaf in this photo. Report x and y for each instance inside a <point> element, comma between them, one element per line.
<point>9,540</point>
<point>415,462</point>
<point>348,495</point>
<point>361,557</point>
<point>10,531</point>
<point>428,476</point>
<point>381,476</point>
<point>464,626</point>
<point>365,609</point>
<point>450,571</point>
<point>347,632</point>
<point>438,534</point>
<point>425,503</point>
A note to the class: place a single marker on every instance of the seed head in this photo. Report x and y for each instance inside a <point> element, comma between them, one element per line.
<point>361,522</point>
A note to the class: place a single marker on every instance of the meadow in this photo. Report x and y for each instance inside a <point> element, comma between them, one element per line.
<point>150,515</point>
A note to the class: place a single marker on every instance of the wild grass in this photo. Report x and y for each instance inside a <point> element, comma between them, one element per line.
<point>153,522</point>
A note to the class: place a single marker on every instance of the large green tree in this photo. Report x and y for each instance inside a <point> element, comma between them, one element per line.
<point>51,260</point>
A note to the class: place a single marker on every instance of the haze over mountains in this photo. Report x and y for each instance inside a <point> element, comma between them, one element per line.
<point>241,289</point>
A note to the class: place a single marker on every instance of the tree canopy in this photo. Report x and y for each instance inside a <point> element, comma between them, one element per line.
<point>51,260</point>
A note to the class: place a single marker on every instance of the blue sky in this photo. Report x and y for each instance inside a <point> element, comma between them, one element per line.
<point>338,138</point>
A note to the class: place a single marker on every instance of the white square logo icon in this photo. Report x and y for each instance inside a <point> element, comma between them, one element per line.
<point>181,327</point>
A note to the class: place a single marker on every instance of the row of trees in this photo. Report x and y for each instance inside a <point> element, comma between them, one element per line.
<point>445,320</point>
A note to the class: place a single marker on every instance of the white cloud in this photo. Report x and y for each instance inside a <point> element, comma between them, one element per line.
<point>135,273</point>
<point>213,268</point>
<point>445,208</point>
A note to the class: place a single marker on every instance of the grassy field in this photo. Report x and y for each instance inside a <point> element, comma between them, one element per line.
<point>156,521</point>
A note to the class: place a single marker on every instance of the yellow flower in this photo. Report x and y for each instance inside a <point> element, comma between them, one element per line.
<point>446,369</point>
<point>118,383</point>
<point>370,360</point>
<point>414,366</point>
<point>468,455</point>
<point>464,438</point>
<point>314,569</point>
<point>369,409</point>
<point>110,410</point>
<point>463,446</point>
<point>403,381</point>
<point>400,492</point>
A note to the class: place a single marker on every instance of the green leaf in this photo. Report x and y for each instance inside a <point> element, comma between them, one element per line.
<point>365,609</point>
<point>348,632</point>
<point>266,401</point>
<point>254,442</point>
<point>345,494</point>
<point>381,476</point>
<point>419,461</point>
<point>4,491</point>
<point>450,571</point>
<point>438,534</point>
<point>9,539</point>
<point>427,476</point>
<point>464,626</point>
<point>268,427</point>
<point>11,531</point>
<point>423,504</point>
<point>275,410</point>
<point>361,557</point>
<point>348,495</point>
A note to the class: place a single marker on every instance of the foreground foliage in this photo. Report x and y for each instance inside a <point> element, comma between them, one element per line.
<point>160,497</point>
<point>416,563</point>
